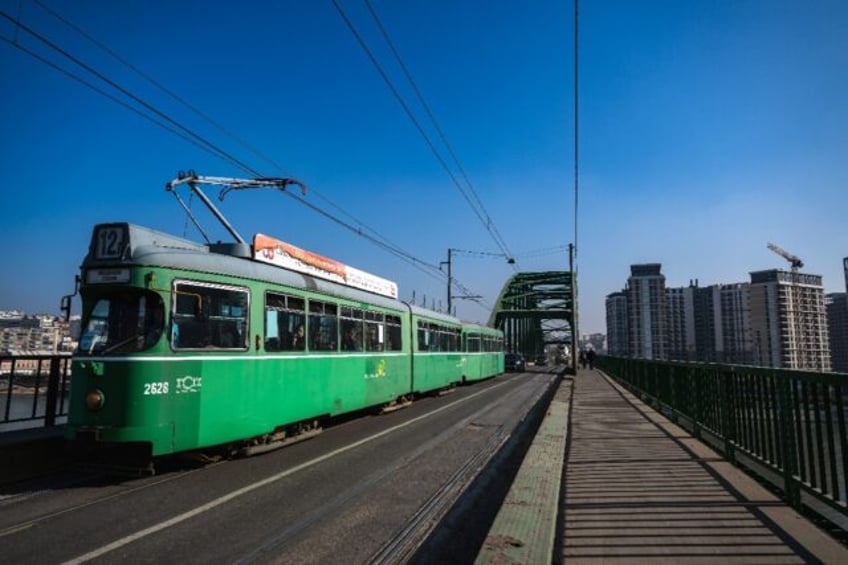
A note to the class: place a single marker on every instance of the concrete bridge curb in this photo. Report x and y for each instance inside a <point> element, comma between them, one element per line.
<point>525,528</point>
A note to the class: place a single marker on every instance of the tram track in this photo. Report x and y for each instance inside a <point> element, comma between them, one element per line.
<point>289,497</point>
<point>157,481</point>
<point>63,480</point>
<point>403,546</point>
<point>415,531</point>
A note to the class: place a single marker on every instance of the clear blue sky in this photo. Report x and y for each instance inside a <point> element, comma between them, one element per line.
<point>707,129</point>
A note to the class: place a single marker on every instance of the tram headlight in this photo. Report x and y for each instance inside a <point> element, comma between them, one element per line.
<point>95,399</point>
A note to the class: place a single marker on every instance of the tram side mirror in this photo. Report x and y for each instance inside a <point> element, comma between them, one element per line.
<point>65,304</point>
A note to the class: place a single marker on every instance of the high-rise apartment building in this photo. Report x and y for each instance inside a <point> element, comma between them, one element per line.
<point>680,311</point>
<point>723,323</point>
<point>617,340</point>
<point>736,343</point>
<point>707,314</point>
<point>646,312</point>
<point>836,304</point>
<point>788,320</point>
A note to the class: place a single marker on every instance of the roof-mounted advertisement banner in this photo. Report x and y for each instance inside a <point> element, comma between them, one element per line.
<point>275,252</point>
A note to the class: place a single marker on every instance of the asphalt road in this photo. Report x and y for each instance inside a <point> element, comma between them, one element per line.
<point>371,489</point>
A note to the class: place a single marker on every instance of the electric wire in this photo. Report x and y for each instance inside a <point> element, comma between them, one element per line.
<point>160,86</point>
<point>100,91</point>
<point>490,225</point>
<point>188,135</point>
<point>204,116</point>
<point>207,118</point>
<point>212,147</point>
<point>414,120</point>
<point>204,144</point>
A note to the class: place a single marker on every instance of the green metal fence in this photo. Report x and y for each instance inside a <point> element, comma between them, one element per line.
<point>33,390</point>
<point>789,427</point>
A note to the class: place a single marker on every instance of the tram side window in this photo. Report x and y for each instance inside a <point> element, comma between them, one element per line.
<point>474,343</point>
<point>375,331</point>
<point>444,339</point>
<point>285,322</point>
<point>393,333</point>
<point>209,316</point>
<point>435,337</point>
<point>323,326</point>
<point>423,336</point>
<point>351,328</point>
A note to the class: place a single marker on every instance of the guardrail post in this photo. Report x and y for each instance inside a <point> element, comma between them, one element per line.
<point>696,390</point>
<point>726,420</point>
<point>787,432</point>
<point>52,392</point>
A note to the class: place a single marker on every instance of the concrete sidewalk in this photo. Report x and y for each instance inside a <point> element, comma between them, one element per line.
<point>639,489</point>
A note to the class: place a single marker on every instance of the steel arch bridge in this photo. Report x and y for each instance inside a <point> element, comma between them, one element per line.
<point>536,310</point>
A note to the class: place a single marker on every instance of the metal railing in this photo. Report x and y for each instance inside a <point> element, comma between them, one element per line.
<point>33,390</point>
<point>788,427</point>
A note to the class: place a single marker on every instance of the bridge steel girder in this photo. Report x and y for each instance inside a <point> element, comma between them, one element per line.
<point>535,309</point>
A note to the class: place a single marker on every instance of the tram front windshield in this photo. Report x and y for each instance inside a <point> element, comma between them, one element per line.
<point>122,322</point>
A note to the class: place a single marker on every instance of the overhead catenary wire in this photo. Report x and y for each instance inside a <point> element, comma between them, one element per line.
<point>199,141</point>
<point>100,91</point>
<point>146,76</point>
<point>490,225</point>
<point>211,146</point>
<point>417,124</point>
<point>214,123</point>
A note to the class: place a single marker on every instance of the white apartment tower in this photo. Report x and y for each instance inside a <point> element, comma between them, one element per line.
<point>737,345</point>
<point>680,311</point>
<point>788,320</point>
<point>646,312</point>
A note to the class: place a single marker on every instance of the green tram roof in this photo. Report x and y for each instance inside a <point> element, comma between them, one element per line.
<point>149,247</point>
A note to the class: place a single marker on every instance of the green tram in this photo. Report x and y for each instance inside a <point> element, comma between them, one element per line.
<point>187,346</point>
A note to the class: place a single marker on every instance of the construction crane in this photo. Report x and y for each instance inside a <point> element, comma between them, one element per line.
<point>795,264</point>
<point>794,260</point>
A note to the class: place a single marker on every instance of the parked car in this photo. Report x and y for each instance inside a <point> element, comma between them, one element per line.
<point>514,362</point>
<point>541,360</point>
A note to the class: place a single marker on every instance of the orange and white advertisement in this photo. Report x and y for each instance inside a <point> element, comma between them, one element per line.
<point>270,250</point>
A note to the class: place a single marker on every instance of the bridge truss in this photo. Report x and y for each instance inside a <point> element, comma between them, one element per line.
<point>535,311</point>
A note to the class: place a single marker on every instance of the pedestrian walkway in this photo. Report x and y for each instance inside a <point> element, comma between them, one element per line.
<point>639,489</point>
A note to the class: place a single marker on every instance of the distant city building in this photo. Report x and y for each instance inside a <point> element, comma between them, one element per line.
<point>836,305</point>
<point>680,310</point>
<point>788,320</point>
<point>646,312</point>
<point>708,329</point>
<point>598,342</point>
<point>617,340</point>
<point>21,334</point>
<point>735,315</point>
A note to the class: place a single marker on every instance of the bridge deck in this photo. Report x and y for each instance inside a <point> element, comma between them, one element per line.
<point>641,489</point>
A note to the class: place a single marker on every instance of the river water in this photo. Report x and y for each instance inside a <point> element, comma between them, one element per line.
<point>21,407</point>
